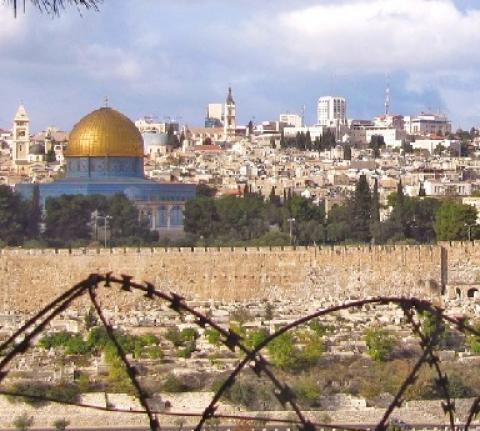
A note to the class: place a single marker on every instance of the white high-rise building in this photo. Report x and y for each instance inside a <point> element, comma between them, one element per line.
<point>332,111</point>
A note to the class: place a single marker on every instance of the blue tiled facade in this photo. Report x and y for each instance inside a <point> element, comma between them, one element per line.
<point>100,167</point>
<point>163,202</point>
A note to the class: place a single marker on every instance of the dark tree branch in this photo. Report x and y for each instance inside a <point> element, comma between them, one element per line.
<point>53,7</point>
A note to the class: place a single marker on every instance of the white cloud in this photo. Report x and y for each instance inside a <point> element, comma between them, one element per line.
<point>104,62</point>
<point>371,35</point>
<point>11,30</point>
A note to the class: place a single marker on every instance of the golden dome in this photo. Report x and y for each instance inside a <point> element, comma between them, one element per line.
<point>105,132</point>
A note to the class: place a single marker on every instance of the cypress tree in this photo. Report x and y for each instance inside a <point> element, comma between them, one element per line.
<point>35,214</point>
<point>347,152</point>
<point>361,211</point>
<point>308,141</point>
<point>375,203</point>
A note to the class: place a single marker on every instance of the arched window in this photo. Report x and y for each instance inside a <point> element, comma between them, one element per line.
<point>176,216</point>
<point>472,293</point>
<point>162,219</point>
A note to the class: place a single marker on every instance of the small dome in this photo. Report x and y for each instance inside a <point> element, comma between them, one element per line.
<point>105,133</point>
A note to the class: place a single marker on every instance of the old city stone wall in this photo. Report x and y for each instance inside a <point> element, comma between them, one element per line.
<point>32,278</point>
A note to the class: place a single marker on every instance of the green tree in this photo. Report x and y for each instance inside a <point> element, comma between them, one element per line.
<point>206,191</point>
<point>125,224</point>
<point>375,217</point>
<point>13,220</point>
<point>347,152</point>
<point>200,216</point>
<point>51,156</point>
<point>282,351</point>
<point>422,219</point>
<point>360,211</point>
<point>452,220</point>
<point>34,214</point>
<point>67,218</point>
<point>433,328</point>
<point>377,142</point>
<point>338,227</point>
<point>380,343</point>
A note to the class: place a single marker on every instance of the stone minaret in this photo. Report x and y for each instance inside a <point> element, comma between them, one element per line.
<point>229,116</point>
<point>21,135</point>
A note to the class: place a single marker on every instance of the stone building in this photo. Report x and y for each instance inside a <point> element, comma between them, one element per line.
<point>105,156</point>
<point>21,135</point>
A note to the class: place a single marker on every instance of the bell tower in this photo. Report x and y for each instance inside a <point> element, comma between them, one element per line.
<point>21,135</point>
<point>229,116</point>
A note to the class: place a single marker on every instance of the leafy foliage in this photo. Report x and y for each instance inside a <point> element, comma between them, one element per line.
<point>452,220</point>
<point>69,218</point>
<point>13,217</point>
<point>66,392</point>
<point>380,343</point>
<point>23,422</point>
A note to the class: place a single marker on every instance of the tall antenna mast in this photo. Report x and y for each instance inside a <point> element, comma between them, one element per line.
<point>303,115</point>
<point>387,97</point>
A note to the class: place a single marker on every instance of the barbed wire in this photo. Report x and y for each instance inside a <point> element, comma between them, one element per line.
<point>21,340</point>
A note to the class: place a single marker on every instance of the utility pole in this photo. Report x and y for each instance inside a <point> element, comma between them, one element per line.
<point>470,230</point>
<point>291,221</point>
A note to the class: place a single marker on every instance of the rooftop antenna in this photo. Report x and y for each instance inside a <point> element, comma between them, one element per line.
<point>303,114</point>
<point>387,97</point>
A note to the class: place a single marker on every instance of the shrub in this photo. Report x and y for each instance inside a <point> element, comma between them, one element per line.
<point>254,338</point>
<point>380,343</point>
<point>173,335</point>
<point>312,350</point>
<point>76,345</point>
<point>61,424</point>
<point>23,422</point>
<point>154,352</point>
<point>34,391</point>
<point>187,351</point>
<point>472,341</point>
<point>58,339</point>
<point>433,327</point>
<point>173,384</point>
<point>213,336</point>
<point>282,351</point>
<point>307,390</point>
<point>65,392</point>
<point>189,334</point>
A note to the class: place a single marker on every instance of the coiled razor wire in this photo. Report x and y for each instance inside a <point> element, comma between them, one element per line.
<point>19,342</point>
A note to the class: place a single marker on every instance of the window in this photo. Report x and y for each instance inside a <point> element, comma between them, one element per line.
<point>162,220</point>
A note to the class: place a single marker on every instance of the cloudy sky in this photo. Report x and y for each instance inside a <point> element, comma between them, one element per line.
<point>170,58</point>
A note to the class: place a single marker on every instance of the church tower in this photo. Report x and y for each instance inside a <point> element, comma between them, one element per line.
<point>21,135</point>
<point>229,116</point>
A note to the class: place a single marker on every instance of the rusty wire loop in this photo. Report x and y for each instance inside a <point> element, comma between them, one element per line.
<point>442,380</point>
<point>253,358</point>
